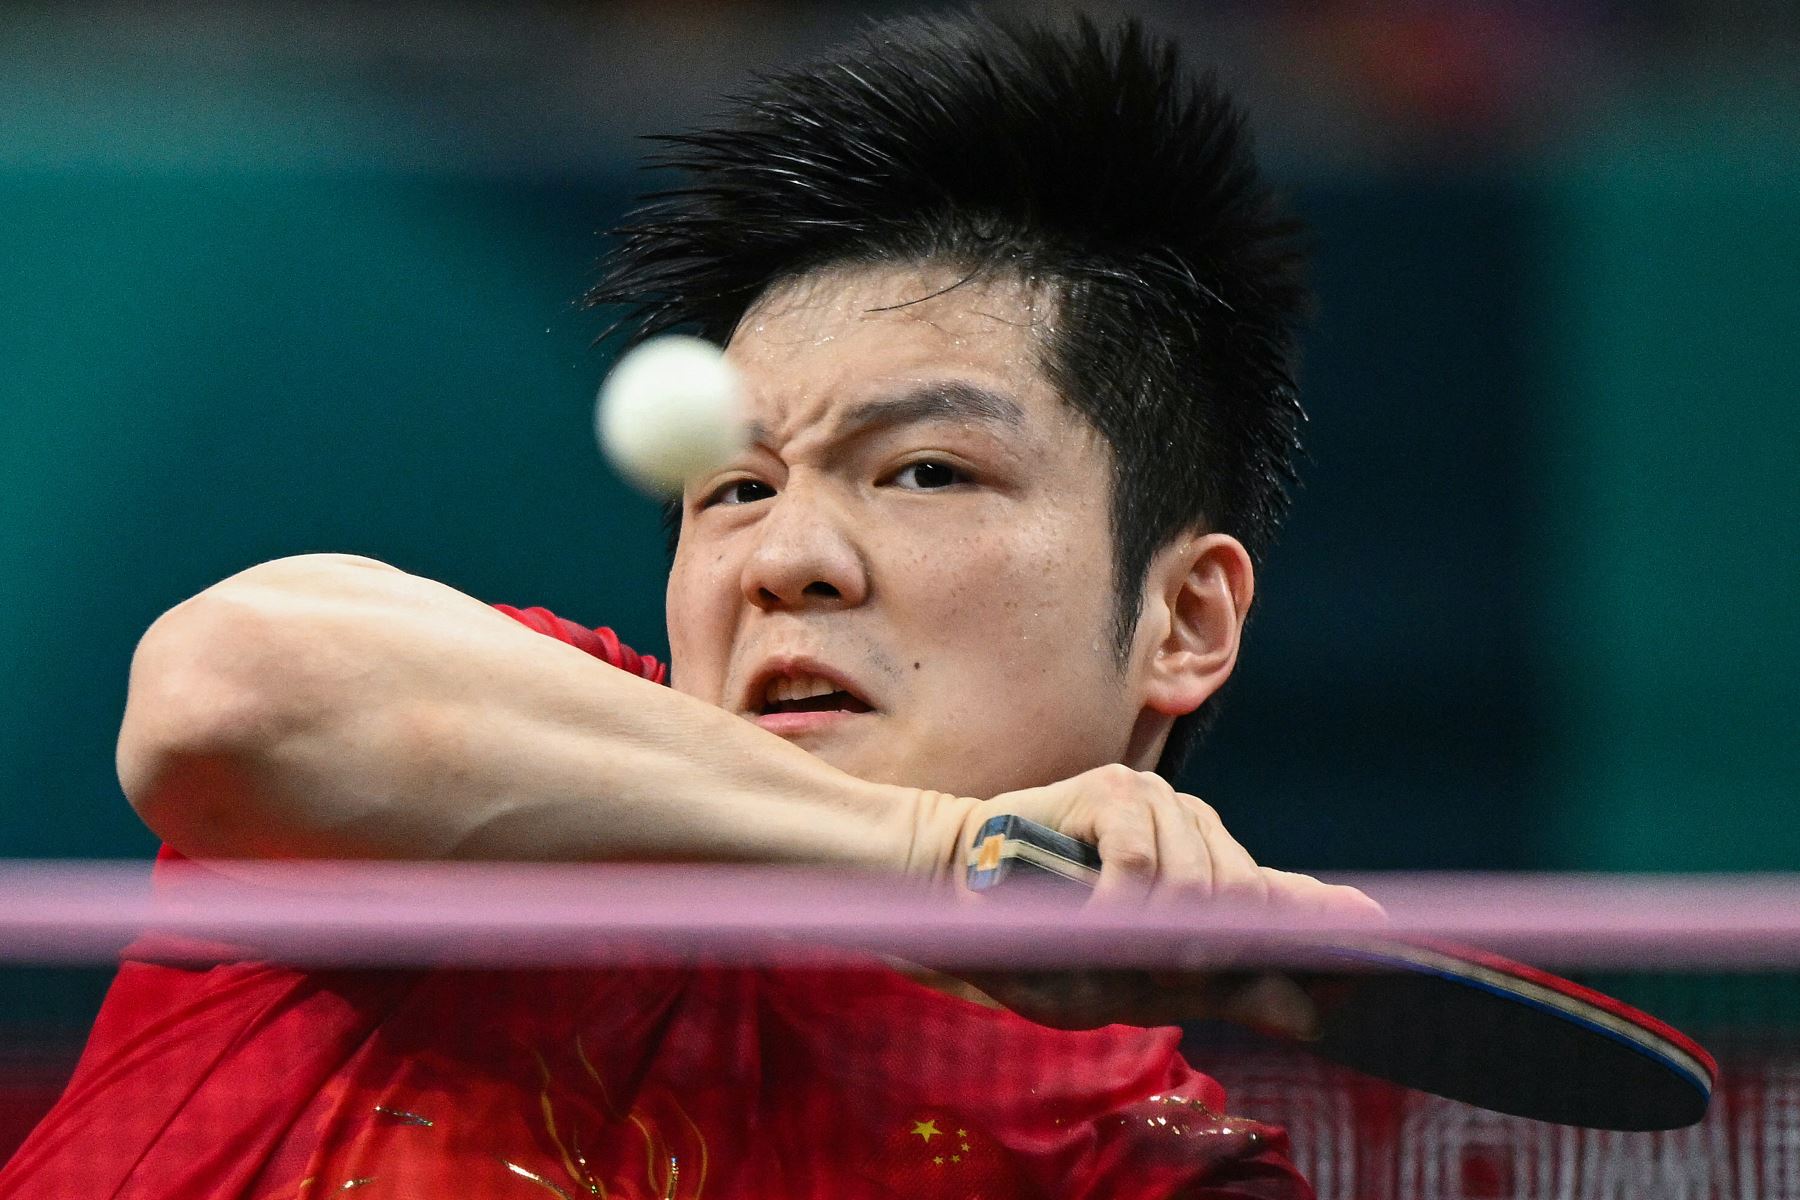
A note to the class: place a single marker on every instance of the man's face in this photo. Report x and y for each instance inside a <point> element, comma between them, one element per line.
<point>919,530</point>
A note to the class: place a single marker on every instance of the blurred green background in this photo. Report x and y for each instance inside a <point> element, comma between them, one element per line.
<point>281,280</point>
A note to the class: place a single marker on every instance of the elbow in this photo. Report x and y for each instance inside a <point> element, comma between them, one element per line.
<point>204,702</point>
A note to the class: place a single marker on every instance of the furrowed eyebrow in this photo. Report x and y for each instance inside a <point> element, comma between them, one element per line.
<point>951,400</point>
<point>948,401</point>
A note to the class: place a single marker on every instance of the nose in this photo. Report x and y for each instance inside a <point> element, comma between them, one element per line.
<point>805,554</point>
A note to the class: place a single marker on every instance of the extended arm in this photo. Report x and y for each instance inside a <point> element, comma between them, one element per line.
<point>336,707</point>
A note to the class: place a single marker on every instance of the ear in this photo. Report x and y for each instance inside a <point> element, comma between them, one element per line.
<point>1197,594</point>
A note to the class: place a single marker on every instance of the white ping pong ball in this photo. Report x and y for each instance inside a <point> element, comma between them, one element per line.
<point>671,410</point>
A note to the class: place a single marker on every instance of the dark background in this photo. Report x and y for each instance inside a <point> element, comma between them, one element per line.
<point>283,278</point>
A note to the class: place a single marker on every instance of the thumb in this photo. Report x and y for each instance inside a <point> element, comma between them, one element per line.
<point>1335,902</point>
<point>1271,1004</point>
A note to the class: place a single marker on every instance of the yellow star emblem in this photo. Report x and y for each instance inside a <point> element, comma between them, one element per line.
<point>926,1130</point>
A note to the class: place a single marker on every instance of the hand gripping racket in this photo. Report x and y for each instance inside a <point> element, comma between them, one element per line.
<point>1453,1021</point>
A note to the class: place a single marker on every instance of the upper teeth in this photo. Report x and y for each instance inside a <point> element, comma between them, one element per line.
<point>800,687</point>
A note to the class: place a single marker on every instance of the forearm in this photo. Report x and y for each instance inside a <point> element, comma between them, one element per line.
<point>335,708</point>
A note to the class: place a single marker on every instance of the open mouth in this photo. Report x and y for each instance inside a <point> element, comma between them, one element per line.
<point>809,693</point>
<point>829,702</point>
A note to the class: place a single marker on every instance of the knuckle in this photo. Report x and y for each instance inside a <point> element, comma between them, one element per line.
<point>1201,809</point>
<point>1116,778</point>
<point>1132,857</point>
<point>1153,784</point>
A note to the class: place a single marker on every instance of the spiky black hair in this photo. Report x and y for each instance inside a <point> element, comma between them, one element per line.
<point>1080,157</point>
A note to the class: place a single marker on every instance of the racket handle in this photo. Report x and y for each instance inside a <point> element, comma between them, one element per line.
<point>1011,849</point>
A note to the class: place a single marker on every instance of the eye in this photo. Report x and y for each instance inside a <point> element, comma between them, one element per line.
<point>738,491</point>
<point>929,475</point>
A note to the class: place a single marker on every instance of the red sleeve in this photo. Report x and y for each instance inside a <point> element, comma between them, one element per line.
<point>602,643</point>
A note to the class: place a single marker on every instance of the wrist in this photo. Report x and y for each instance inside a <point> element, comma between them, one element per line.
<point>937,832</point>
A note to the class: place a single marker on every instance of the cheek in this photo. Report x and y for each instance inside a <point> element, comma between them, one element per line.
<point>698,628</point>
<point>1040,681</point>
<point>1021,582</point>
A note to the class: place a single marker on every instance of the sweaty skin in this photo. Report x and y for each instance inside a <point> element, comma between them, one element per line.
<point>922,514</point>
<point>922,522</point>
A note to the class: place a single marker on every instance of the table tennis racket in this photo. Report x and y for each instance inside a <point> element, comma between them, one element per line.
<point>1453,1021</point>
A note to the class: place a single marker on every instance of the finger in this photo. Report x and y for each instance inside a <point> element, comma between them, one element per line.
<point>1236,876</point>
<point>1069,999</point>
<point>1272,1004</point>
<point>1125,835</point>
<point>1295,892</point>
<point>1184,864</point>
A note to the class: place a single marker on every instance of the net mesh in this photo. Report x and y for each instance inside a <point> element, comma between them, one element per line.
<point>493,1031</point>
<point>1354,1136</point>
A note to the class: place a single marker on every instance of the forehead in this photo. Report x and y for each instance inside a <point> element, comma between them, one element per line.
<point>951,300</point>
<point>836,335</point>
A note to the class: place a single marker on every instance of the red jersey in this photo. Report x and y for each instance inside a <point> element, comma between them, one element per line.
<point>259,1081</point>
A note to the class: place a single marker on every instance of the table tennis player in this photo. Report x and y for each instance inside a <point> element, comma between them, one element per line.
<point>1016,316</point>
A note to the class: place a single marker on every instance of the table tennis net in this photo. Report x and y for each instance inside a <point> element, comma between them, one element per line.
<point>1717,960</point>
